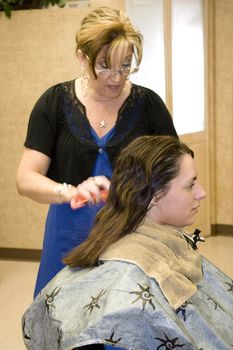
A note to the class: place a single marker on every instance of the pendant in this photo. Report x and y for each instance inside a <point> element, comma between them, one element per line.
<point>103,124</point>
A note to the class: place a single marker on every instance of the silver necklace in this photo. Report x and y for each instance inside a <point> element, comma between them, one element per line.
<point>103,124</point>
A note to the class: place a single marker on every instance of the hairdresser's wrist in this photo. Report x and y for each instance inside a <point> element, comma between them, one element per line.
<point>64,192</point>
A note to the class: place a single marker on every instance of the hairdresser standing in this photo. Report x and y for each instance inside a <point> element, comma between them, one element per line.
<point>77,128</point>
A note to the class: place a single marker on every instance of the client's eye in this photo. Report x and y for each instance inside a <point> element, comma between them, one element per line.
<point>192,184</point>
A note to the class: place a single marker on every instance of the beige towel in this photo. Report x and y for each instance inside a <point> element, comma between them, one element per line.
<point>162,253</point>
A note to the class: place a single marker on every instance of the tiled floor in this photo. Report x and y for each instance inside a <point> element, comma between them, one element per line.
<point>17,279</point>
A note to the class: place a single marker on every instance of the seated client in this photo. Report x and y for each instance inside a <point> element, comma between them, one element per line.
<point>138,281</point>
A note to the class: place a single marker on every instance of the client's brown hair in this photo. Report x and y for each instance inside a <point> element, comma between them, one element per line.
<point>143,169</point>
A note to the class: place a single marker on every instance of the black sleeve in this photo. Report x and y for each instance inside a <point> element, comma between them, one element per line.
<point>158,115</point>
<point>43,122</point>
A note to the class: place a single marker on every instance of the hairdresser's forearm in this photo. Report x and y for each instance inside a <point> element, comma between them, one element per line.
<point>42,189</point>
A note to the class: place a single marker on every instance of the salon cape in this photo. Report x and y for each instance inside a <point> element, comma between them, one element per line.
<point>136,304</point>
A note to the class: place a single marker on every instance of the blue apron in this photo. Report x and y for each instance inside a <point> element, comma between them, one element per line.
<point>66,228</point>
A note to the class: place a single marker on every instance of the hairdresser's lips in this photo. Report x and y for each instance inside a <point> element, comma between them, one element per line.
<point>114,88</point>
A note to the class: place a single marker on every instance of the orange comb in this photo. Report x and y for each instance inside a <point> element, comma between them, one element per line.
<point>80,201</point>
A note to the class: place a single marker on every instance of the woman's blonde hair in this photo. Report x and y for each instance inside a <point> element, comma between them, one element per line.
<point>108,27</point>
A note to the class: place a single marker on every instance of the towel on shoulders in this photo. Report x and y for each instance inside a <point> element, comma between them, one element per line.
<point>164,254</point>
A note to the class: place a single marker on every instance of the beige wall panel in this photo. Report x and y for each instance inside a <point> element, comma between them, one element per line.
<point>224,110</point>
<point>37,50</point>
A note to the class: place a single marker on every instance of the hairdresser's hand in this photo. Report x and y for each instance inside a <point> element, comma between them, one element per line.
<point>91,188</point>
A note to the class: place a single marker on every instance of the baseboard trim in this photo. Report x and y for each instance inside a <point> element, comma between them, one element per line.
<point>222,230</point>
<point>20,254</point>
<point>35,254</point>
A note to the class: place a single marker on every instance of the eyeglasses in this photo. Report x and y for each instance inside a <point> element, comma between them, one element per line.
<point>107,72</point>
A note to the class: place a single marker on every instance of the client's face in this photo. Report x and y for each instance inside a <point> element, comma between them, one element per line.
<point>180,205</point>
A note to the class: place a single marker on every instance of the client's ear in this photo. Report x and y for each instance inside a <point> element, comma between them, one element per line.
<point>153,202</point>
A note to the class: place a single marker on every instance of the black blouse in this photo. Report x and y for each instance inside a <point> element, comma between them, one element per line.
<point>59,128</point>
